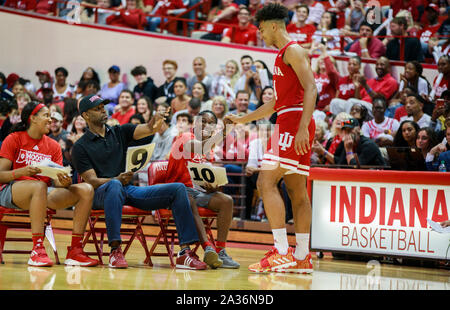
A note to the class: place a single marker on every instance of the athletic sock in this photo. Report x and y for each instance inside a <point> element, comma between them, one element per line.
<point>280,240</point>
<point>206,244</point>
<point>302,247</point>
<point>220,245</point>
<point>38,240</point>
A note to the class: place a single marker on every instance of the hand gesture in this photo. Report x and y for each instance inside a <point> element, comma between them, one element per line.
<point>348,142</point>
<point>356,82</point>
<point>125,177</point>
<point>437,112</point>
<point>317,148</point>
<point>233,118</point>
<point>363,42</point>
<point>438,149</point>
<point>403,78</point>
<point>256,78</point>
<point>362,79</point>
<point>157,120</point>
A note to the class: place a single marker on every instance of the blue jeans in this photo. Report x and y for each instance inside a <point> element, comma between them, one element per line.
<point>153,23</point>
<point>113,195</point>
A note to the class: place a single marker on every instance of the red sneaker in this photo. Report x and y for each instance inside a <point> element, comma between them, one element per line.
<point>274,261</point>
<point>190,261</point>
<point>302,266</point>
<point>77,257</point>
<point>117,260</point>
<point>39,258</point>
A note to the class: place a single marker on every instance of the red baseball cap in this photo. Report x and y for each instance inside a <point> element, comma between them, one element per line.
<point>43,72</point>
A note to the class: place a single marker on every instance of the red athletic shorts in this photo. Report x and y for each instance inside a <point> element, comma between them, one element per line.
<point>280,148</point>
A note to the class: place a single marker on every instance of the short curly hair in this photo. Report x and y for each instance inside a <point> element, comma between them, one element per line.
<point>272,11</point>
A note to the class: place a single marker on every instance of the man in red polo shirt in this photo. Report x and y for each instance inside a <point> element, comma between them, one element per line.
<point>383,85</point>
<point>244,33</point>
<point>367,46</point>
<point>300,30</point>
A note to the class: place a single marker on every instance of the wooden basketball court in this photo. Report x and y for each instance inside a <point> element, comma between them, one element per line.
<point>329,273</point>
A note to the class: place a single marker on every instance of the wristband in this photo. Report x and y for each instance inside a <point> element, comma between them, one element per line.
<point>13,174</point>
<point>369,90</point>
<point>349,153</point>
<point>364,50</point>
<point>325,153</point>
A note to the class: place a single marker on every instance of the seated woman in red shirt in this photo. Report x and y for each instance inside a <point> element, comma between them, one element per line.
<point>130,17</point>
<point>164,8</point>
<point>46,7</point>
<point>26,5</point>
<point>326,77</point>
<point>23,188</point>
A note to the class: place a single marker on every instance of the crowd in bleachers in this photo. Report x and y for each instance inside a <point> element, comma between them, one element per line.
<point>400,30</point>
<point>389,124</point>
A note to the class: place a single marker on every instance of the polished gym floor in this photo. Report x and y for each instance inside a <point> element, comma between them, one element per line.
<point>329,273</point>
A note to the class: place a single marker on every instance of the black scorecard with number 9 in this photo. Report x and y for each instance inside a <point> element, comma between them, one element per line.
<point>139,156</point>
<point>138,159</point>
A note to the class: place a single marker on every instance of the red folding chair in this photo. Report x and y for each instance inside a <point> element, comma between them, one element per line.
<point>168,234</point>
<point>96,234</point>
<point>7,223</point>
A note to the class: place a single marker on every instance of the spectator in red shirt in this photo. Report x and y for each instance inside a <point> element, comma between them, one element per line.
<point>44,77</point>
<point>164,8</point>
<point>26,5</point>
<point>148,6</point>
<point>244,33</point>
<point>130,17</point>
<point>124,109</point>
<point>326,77</point>
<point>442,81</point>
<point>347,84</point>
<point>409,5</point>
<point>254,6</point>
<point>340,11</point>
<point>367,46</point>
<point>46,7</point>
<point>432,15</point>
<point>384,84</point>
<point>300,30</point>
<point>225,13</point>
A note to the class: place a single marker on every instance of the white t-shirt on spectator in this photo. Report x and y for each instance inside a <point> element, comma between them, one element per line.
<point>422,86</point>
<point>372,130</point>
<point>424,121</point>
<point>315,13</point>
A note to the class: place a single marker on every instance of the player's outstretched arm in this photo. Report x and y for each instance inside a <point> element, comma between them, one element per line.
<point>263,111</point>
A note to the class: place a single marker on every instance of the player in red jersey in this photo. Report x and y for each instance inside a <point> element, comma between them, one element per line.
<point>288,153</point>
<point>21,186</point>
<point>196,147</point>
